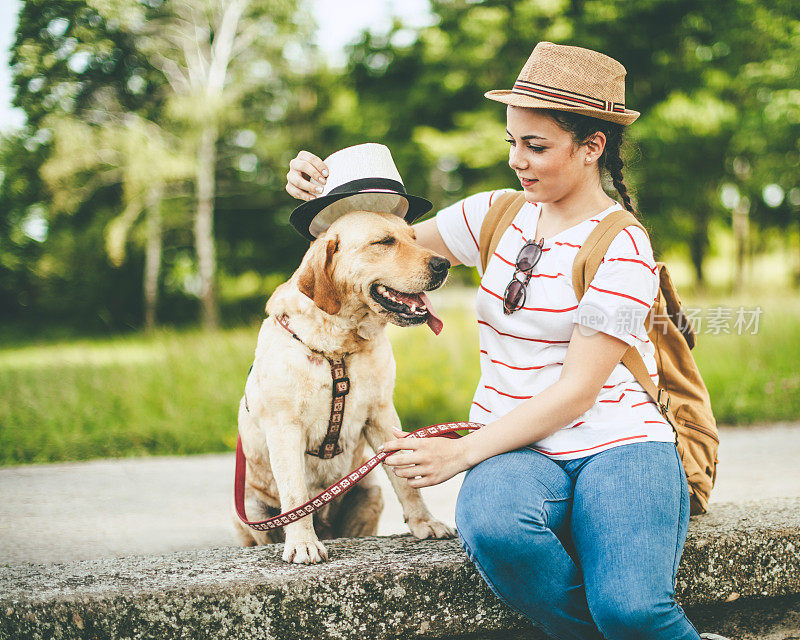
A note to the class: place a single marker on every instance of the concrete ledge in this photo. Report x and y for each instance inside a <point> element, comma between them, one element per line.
<point>741,558</point>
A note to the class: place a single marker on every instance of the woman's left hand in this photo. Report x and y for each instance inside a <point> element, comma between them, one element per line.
<point>426,461</point>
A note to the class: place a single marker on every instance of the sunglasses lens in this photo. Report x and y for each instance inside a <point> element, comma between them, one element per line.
<point>514,296</point>
<point>528,256</point>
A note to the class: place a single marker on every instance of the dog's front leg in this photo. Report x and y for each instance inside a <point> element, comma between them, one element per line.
<point>286,446</point>
<point>420,521</point>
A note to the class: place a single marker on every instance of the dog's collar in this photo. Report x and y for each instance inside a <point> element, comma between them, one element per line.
<point>283,320</point>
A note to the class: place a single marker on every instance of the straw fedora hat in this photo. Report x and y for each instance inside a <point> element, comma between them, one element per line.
<point>360,178</point>
<point>567,78</point>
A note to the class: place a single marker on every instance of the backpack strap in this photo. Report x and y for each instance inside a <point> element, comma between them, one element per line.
<point>499,217</point>
<point>587,261</point>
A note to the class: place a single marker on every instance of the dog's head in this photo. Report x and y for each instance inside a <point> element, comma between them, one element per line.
<point>372,260</point>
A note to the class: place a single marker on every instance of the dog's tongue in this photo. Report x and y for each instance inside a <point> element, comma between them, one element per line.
<point>434,321</point>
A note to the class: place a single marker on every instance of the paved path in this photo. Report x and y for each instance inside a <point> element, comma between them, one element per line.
<point>106,508</point>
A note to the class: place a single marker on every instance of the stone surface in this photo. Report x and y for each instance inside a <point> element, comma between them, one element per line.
<point>390,587</point>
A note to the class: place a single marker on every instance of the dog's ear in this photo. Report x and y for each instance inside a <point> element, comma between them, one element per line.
<point>315,278</point>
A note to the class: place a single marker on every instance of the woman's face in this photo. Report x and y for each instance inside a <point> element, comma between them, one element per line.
<point>544,157</point>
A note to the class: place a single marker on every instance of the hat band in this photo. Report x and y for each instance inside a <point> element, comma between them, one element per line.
<point>369,184</point>
<point>564,97</point>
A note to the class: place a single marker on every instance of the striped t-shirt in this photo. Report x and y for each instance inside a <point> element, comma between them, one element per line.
<point>522,353</point>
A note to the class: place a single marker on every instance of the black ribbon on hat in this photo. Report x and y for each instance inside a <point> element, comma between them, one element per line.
<point>368,183</point>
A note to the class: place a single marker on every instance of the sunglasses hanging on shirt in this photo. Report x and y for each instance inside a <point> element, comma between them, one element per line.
<point>528,256</point>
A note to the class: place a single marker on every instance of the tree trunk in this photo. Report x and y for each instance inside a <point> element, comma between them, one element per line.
<point>796,279</point>
<point>697,247</point>
<point>740,233</point>
<point>204,225</point>
<point>152,260</point>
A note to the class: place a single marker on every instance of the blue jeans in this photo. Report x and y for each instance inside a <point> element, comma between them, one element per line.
<point>586,548</point>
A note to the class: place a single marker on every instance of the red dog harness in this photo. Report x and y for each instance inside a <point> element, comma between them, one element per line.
<point>447,429</point>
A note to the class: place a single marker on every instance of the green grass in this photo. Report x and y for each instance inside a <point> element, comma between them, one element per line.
<point>178,392</point>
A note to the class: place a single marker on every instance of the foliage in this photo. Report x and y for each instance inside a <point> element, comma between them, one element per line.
<point>715,82</point>
<point>178,392</point>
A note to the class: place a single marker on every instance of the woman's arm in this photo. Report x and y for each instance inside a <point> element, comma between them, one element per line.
<point>429,237</point>
<point>589,362</point>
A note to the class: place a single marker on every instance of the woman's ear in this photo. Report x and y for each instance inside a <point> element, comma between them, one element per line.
<point>314,278</point>
<point>595,146</point>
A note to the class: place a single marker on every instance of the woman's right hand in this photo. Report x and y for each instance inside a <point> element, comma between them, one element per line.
<point>307,174</point>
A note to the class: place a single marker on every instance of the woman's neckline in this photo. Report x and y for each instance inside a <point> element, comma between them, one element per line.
<point>547,239</point>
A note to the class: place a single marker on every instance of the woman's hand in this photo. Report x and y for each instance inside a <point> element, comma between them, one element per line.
<point>307,174</point>
<point>429,461</point>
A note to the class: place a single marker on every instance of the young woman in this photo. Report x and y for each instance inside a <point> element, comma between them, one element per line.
<point>574,506</point>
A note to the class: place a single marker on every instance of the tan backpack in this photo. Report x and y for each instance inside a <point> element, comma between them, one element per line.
<point>681,396</point>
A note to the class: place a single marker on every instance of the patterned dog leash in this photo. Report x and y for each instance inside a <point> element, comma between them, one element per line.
<point>446,429</point>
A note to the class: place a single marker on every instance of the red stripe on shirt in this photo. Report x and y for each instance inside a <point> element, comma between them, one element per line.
<point>539,366</point>
<point>507,395</point>
<point>510,335</point>
<point>464,211</point>
<point>577,246</point>
<point>639,404</point>
<point>511,264</point>
<point>577,424</point>
<point>533,275</point>
<point>561,453</point>
<point>623,295</point>
<point>499,297</point>
<point>653,269</point>
<point>490,204</point>
<point>617,400</point>
<point>482,407</point>
<point>520,231</point>
<point>632,240</point>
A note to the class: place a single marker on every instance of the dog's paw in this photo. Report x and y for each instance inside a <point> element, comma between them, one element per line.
<point>430,528</point>
<point>304,552</point>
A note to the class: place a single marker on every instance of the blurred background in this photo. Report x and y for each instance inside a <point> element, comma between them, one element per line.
<point>144,222</point>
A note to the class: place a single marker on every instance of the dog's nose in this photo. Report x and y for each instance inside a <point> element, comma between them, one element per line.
<point>439,265</point>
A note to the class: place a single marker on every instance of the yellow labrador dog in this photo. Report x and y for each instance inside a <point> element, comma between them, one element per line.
<point>365,271</point>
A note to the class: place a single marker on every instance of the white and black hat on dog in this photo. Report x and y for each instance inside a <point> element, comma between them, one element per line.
<point>360,178</point>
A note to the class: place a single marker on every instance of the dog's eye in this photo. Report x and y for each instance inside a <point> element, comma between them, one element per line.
<point>388,241</point>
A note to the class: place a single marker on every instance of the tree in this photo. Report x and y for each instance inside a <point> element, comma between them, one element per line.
<point>94,60</point>
<point>131,151</point>
<point>204,48</point>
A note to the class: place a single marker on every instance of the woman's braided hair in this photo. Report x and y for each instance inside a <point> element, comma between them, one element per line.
<point>582,127</point>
